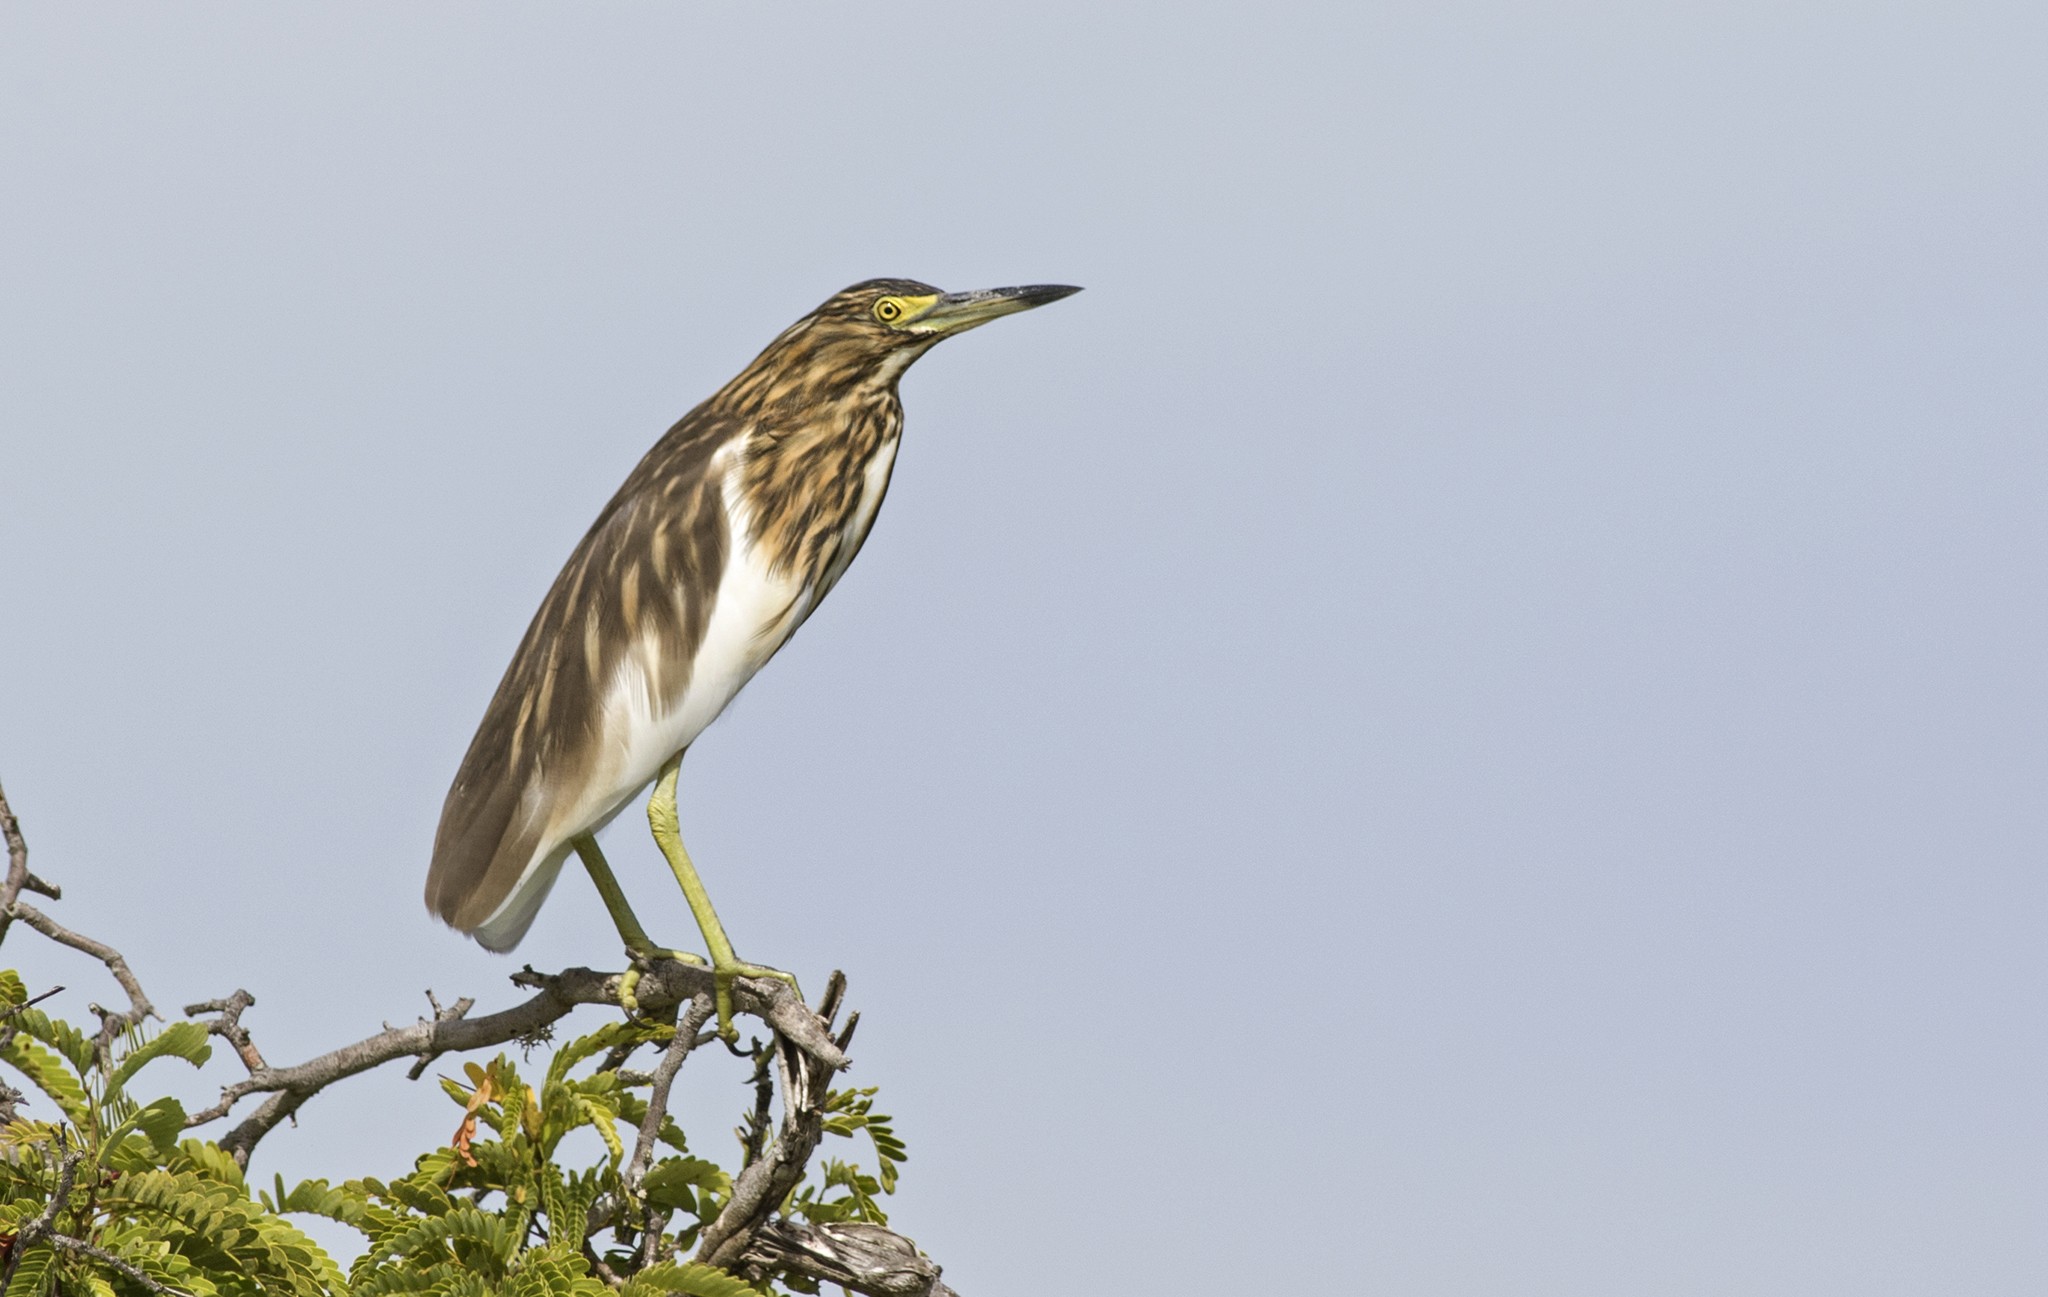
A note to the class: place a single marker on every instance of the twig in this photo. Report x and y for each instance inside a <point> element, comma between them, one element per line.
<point>112,1022</point>
<point>664,985</point>
<point>669,982</point>
<point>229,1026</point>
<point>39,1228</point>
<point>761,1187</point>
<point>17,864</point>
<point>29,1003</point>
<point>608,1276</point>
<point>107,1258</point>
<point>688,1023</point>
<point>139,1006</point>
<point>754,1135</point>
<point>456,1010</point>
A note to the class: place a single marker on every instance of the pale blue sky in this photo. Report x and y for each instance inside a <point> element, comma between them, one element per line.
<point>1469,719</point>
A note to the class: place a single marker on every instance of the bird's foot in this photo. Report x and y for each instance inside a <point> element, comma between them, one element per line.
<point>722,977</point>
<point>641,961</point>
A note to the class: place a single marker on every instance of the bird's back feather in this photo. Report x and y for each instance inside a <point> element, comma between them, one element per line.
<point>634,597</point>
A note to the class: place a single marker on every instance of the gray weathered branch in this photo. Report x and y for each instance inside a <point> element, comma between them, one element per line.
<point>17,864</point>
<point>229,1026</point>
<point>688,1023</point>
<point>39,1229</point>
<point>762,1185</point>
<point>66,1243</point>
<point>112,1021</point>
<point>853,1254</point>
<point>664,985</point>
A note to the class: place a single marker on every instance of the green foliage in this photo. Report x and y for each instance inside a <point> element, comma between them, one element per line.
<point>175,1210</point>
<point>499,1211</point>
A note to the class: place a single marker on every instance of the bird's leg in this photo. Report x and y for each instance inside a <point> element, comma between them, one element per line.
<point>639,948</point>
<point>725,966</point>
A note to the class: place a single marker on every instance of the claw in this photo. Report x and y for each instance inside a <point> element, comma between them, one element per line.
<point>722,978</point>
<point>629,981</point>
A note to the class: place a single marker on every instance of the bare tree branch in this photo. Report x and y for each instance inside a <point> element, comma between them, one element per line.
<point>112,1022</point>
<point>853,1254</point>
<point>229,1026</point>
<point>663,986</point>
<point>688,1023</point>
<point>107,1258</point>
<point>17,864</point>
<point>139,1006</point>
<point>761,1186</point>
<point>754,1133</point>
<point>39,1228</point>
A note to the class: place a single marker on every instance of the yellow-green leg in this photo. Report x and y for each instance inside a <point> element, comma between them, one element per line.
<point>639,948</point>
<point>725,966</point>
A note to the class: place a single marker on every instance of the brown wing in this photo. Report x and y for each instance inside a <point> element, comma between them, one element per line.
<point>649,564</point>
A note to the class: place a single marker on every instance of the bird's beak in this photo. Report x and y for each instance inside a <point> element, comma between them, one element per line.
<point>959,312</point>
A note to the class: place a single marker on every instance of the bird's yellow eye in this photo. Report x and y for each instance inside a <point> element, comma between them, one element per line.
<point>889,310</point>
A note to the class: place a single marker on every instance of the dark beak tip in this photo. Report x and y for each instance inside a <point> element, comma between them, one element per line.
<point>1040,294</point>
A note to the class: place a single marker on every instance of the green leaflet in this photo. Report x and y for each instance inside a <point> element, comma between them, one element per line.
<point>70,1043</point>
<point>633,1110</point>
<point>186,1040</point>
<point>568,1200</point>
<point>161,1122</point>
<point>35,1272</point>
<point>552,1272</point>
<point>670,1182</point>
<point>475,1238</point>
<point>636,1031</point>
<point>210,1221</point>
<point>847,1111</point>
<point>347,1204</point>
<point>689,1278</point>
<point>600,1116</point>
<point>49,1074</point>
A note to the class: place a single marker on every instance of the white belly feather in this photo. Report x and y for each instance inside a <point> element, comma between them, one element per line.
<point>755,611</point>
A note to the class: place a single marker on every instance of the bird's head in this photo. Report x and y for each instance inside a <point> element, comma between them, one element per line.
<point>869,334</point>
<point>898,313</point>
